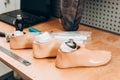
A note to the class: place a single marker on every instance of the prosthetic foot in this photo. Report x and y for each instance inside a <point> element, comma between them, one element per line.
<point>72,55</point>
<point>21,40</point>
<point>45,46</point>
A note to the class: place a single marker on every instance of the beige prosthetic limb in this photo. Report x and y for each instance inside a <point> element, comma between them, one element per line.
<point>21,41</point>
<point>45,46</point>
<point>82,57</point>
<point>48,49</point>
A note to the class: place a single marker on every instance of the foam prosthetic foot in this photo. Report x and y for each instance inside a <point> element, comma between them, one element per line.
<point>21,40</point>
<point>73,55</point>
<point>45,46</point>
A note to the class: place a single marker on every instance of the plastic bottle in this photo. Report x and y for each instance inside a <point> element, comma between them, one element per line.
<point>19,23</point>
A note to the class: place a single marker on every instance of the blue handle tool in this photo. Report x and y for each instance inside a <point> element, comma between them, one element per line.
<point>31,29</point>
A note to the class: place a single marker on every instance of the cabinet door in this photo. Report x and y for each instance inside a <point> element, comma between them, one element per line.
<point>9,5</point>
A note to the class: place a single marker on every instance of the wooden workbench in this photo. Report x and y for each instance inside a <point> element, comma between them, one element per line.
<point>44,69</point>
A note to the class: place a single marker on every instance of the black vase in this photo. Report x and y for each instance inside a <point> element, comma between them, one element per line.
<point>71,13</point>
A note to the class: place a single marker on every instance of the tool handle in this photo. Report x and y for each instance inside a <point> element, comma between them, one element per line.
<point>31,29</point>
<point>2,34</point>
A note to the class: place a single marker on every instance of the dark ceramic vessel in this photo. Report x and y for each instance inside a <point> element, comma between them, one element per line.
<point>71,13</point>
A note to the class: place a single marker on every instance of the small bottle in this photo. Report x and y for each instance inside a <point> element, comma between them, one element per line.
<point>19,23</point>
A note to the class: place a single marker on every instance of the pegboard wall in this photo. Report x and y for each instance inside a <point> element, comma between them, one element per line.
<point>102,14</point>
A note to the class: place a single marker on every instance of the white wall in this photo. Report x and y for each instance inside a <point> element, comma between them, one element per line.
<point>10,5</point>
<point>17,4</point>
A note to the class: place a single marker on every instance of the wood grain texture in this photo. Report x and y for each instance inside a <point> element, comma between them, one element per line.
<point>45,69</point>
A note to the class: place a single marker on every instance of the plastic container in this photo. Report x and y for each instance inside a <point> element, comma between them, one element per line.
<point>19,23</point>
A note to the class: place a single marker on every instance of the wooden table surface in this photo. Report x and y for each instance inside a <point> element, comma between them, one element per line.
<point>44,69</point>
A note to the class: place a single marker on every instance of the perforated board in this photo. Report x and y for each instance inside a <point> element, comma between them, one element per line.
<point>102,14</point>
